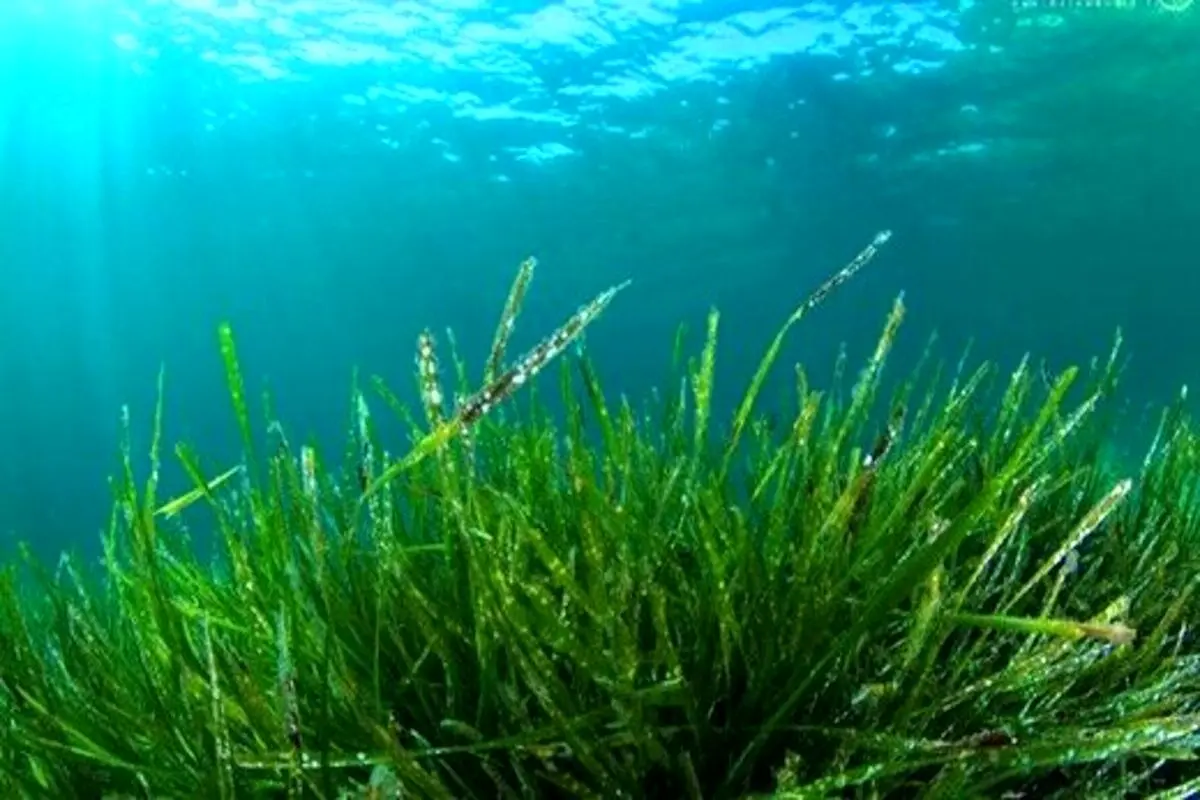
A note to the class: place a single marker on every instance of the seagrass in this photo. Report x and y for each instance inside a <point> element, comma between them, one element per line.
<point>935,587</point>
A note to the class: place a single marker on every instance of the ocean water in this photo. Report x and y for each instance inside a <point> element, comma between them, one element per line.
<point>331,176</point>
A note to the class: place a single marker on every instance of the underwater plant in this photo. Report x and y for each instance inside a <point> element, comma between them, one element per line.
<point>956,598</point>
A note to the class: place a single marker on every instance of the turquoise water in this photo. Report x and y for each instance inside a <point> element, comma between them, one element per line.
<point>331,177</point>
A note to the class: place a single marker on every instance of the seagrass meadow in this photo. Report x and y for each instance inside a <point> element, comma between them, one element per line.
<point>937,592</point>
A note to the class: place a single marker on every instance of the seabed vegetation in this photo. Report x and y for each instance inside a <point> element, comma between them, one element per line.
<point>946,592</point>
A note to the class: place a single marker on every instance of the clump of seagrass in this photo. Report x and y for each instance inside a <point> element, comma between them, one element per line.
<point>610,601</point>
